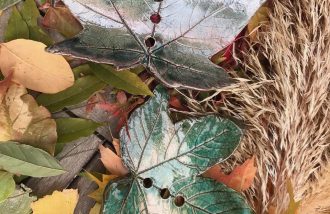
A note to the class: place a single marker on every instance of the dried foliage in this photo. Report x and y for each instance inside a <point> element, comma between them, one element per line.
<point>284,102</point>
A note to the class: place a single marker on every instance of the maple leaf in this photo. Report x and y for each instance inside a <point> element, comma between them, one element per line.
<point>97,195</point>
<point>22,120</point>
<point>239,179</point>
<point>59,202</point>
<point>173,39</point>
<point>166,159</point>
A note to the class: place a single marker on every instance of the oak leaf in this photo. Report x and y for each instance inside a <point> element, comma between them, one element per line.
<point>240,179</point>
<point>33,67</point>
<point>59,202</point>
<point>22,120</point>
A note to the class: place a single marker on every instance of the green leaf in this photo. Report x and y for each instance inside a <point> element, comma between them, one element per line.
<point>170,157</point>
<point>4,4</point>
<point>24,24</point>
<point>124,80</point>
<point>172,39</point>
<point>70,129</point>
<point>27,160</point>
<point>82,89</point>
<point>18,203</point>
<point>7,185</point>
<point>17,27</point>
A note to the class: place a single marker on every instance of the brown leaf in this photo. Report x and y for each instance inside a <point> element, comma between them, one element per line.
<point>116,144</point>
<point>112,162</point>
<point>33,67</point>
<point>240,179</point>
<point>61,19</point>
<point>22,120</point>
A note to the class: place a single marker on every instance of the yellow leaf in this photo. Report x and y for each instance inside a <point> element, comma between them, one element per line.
<point>112,162</point>
<point>33,67</point>
<point>240,179</point>
<point>293,205</point>
<point>97,195</point>
<point>22,120</point>
<point>96,209</point>
<point>59,202</point>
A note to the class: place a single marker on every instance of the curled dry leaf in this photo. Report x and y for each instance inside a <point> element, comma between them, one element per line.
<point>112,162</point>
<point>22,120</point>
<point>240,179</point>
<point>59,202</point>
<point>33,67</point>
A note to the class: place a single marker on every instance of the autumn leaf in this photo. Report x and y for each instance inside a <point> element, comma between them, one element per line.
<point>40,71</point>
<point>97,195</point>
<point>22,120</point>
<point>240,179</point>
<point>61,19</point>
<point>59,202</point>
<point>112,162</point>
<point>121,108</point>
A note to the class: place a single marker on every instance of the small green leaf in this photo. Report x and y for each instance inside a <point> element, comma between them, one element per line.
<point>4,4</point>
<point>24,24</point>
<point>17,27</point>
<point>82,89</point>
<point>7,185</point>
<point>124,80</point>
<point>81,71</point>
<point>70,129</point>
<point>27,160</point>
<point>18,203</point>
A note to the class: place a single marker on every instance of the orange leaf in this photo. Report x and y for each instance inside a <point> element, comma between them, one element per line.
<point>240,179</point>
<point>116,144</point>
<point>112,162</point>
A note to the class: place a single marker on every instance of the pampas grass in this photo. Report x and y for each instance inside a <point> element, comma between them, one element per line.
<point>285,104</point>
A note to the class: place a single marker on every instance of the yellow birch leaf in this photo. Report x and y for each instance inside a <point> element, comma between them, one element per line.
<point>33,67</point>
<point>59,202</point>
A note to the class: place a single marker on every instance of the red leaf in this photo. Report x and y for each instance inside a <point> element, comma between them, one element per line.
<point>240,179</point>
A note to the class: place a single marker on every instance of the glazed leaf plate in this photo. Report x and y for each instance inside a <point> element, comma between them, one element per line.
<point>166,160</point>
<point>173,39</point>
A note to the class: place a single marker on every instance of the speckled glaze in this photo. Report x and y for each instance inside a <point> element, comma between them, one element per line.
<point>172,156</point>
<point>185,35</point>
